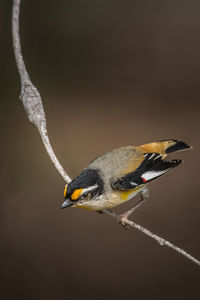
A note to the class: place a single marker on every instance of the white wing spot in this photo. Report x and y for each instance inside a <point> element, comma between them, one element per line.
<point>152,156</point>
<point>153,174</point>
<point>133,183</point>
<point>158,157</point>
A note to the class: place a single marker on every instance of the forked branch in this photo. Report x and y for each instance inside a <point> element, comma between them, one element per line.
<point>32,103</point>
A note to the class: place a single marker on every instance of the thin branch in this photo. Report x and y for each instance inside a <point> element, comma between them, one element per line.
<point>158,239</point>
<point>30,96</point>
<point>32,103</point>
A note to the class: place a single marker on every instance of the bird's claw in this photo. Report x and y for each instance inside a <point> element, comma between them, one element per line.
<point>99,212</point>
<point>122,220</point>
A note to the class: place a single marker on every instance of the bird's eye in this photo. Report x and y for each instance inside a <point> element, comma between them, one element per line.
<point>85,196</point>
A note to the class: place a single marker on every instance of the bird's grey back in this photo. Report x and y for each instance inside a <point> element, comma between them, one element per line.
<point>113,163</point>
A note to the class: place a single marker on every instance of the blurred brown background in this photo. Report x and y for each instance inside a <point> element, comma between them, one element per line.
<point>111,73</point>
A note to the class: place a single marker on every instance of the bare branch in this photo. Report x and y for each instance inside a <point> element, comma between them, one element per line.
<point>30,96</point>
<point>32,103</point>
<point>158,239</point>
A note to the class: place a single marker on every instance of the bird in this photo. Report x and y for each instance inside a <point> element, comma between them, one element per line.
<point>119,175</point>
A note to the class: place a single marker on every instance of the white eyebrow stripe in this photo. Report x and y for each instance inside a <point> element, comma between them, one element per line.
<point>89,189</point>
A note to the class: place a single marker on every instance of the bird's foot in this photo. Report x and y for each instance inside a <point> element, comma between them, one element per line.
<point>99,211</point>
<point>122,220</point>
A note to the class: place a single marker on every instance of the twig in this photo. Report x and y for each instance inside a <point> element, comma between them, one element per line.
<point>32,103</point>
<point>30,96</point>
<point>158,239</point>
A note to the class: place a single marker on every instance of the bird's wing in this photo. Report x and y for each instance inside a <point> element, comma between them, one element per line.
<point>152,167</point>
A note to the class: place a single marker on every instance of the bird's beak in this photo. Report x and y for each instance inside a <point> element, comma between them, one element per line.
<point>67,203</point>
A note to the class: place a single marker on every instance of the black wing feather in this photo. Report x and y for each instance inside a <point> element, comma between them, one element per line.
<point>152,163</point>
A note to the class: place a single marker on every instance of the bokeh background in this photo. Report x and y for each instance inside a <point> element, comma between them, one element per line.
<point>111,73</point>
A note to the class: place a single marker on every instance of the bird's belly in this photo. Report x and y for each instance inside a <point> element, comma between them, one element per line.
<point>127,195</point>
<point>123,196</point>
<point>114,199</point>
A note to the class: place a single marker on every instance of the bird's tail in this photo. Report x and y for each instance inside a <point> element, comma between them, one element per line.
<point>175,145</point>
<point>165,147</point>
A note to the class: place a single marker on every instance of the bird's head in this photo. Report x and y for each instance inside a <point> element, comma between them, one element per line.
<point>83,188</point>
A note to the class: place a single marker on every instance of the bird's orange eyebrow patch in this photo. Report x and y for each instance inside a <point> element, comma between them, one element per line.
<point>76,194</point>
<point>65,190</point>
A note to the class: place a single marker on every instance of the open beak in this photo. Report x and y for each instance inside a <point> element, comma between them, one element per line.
<point>67,203</point>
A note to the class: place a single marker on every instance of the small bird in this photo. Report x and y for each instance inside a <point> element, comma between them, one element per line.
<point>119,175</point>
